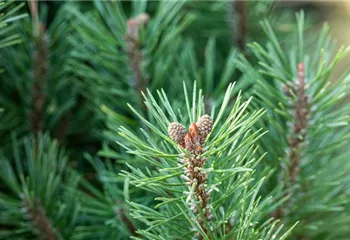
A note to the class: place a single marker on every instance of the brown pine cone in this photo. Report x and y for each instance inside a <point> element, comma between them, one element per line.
<point>177,132</point>
<point>205,125</point>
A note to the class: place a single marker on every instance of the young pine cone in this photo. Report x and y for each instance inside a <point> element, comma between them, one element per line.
<point>177,132</point>
<point>205,125</point>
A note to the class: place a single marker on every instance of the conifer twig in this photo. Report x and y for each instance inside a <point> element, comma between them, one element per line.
<point>300,116</point>
<point>197,166</point>
<point>196,180</point>
<point>40,65</point>
<point>300,125</point>
<point>40,221</point>
<point>134,54</point>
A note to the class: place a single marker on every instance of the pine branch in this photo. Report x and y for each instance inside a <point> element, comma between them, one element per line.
<point>134,54</point>
<point>40,221</point>
<point>203,169</point>
<point>299,130</point>
<point>40,64</point>
<point>39,184</point>
<point>300,126</point>
<point>195,179</point>
<point>300,138</point>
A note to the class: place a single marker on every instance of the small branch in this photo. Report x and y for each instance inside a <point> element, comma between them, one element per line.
<point>300,126</point>
<point>40,64</point>
<point>40,221</point>
<point>198,193</point>
<point>134,54</point>
<point>299,130</point>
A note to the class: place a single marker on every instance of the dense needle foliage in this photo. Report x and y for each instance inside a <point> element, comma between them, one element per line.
<point>171,120</point>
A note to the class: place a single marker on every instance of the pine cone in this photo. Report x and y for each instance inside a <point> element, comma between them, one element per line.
<point>177,132</point>
<point>205,125</point>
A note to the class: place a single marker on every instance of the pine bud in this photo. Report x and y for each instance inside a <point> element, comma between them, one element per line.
<point>205,125</point>
<point>134,25</point>
<point>189,144</point>
<point>177,132</point>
